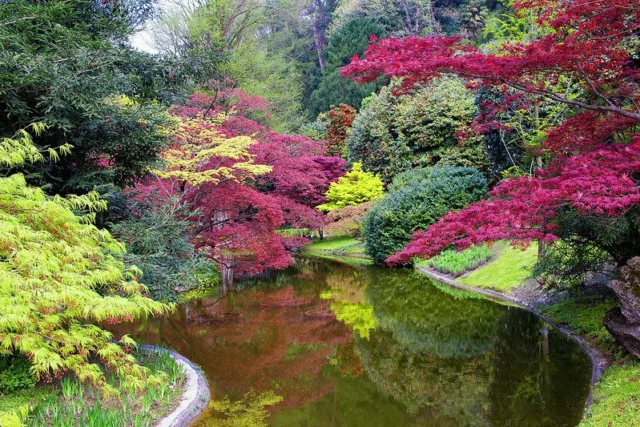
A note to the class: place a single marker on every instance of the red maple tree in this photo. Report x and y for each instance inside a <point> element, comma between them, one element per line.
<point>594,155</point>
<point>238,220</point>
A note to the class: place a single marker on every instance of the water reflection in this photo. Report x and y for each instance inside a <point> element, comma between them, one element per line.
<point>398,351</point>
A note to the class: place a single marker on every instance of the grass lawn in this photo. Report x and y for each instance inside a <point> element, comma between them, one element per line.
<point>336,244</point>
<point>512,267</point>
<point>616,398</point>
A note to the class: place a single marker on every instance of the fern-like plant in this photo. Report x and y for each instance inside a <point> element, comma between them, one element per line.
<point>59,277</point>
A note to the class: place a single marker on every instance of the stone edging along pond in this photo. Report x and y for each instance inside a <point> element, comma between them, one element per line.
<point>195,397</point>
<point>599,360</point>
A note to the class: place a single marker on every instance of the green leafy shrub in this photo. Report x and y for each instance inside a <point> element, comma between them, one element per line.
<point>14,374</point>
<point>157,241</point>
<point>417,199</point>
<point>353,189</point>
<point>568,263</point>
<point>459,262</point>
<point>392,134</point>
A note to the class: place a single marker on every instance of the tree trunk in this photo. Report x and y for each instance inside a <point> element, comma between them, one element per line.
<point>542,249</point>
<point>319,29</point>
<point>545,344</point>
<point>227,278</point>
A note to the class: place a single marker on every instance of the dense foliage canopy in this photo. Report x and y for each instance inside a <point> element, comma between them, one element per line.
<point>593,155</point>
<point>67,64</point>
<point>244,182</point>
<point>392,133</point>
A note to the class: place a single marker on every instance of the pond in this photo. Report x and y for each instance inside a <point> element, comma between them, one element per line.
<point>326,344</point>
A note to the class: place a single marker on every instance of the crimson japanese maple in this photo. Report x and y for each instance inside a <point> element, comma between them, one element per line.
<point>593,156</point>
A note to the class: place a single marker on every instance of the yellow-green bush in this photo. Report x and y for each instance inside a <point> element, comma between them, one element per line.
<point>353,189</point>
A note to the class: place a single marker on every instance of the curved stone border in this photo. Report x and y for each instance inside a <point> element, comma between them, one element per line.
<point>599,360</point>
<point>195,397</point>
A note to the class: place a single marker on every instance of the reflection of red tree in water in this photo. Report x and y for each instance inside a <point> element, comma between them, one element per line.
<point>284,298</point>
<point>348,361</point>
<point>276,348</point>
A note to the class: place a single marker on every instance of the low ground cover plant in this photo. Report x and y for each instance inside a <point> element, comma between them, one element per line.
<point>73,403</point>
<point>459,262</point>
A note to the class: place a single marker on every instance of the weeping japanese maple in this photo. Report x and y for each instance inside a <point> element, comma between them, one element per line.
<point>594,156</point>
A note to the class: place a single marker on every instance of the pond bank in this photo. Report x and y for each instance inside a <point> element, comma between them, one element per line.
<point>348,250</point>
<point>196,394</point>
<point>615,382</point>
<point>69,401</point>
<point>601,361</point>
<point>614,377</point>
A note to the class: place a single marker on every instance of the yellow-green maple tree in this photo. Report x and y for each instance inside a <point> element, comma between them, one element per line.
<point>201,154</point>
<point>59,276</point>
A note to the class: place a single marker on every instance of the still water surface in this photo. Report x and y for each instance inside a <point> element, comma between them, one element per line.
<point>325,344</point>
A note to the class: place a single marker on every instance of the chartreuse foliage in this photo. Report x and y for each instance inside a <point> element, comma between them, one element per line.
<point>202,154</point>
<point>355,188</point>
<point>249,411</point>
<point>58,275</point>
<point>73,403</point>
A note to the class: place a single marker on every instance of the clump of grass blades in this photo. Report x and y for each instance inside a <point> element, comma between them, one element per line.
<point>457,263</point>
<point>77,404</point>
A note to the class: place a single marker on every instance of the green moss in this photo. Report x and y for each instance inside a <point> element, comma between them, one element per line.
<point>584,316</point>
<point>512,267</point>
<point>616,399</point>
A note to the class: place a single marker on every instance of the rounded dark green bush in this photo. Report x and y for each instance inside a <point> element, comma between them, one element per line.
<point>416,199</point>
<point>14,374</point>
